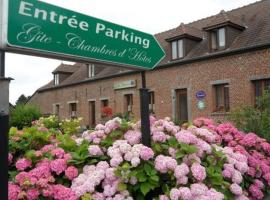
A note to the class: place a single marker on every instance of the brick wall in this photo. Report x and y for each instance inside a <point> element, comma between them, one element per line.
<point>237,70</point>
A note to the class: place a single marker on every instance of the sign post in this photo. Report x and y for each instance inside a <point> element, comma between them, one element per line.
<point>4,127</point>
<point>145,121</point>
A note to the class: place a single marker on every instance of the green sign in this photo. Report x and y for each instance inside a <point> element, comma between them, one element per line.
<point>38,26</point>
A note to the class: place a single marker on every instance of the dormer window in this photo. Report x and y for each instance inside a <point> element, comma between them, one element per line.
<point>218,38</point>
<point>56,79</point>
<point>91,71</point>
<point>222,30</point>
<point>183,39</point>
<point>177,49</point>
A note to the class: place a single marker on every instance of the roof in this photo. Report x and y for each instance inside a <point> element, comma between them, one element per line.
<point>64,68</point>
<point>254,17</point>
<point>80,74</point>
<point>224,18</point>
<point>185,30</point>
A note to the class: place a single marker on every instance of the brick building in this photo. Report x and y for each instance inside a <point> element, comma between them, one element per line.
<point>212,66</point>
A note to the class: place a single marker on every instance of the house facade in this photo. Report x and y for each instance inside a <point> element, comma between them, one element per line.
<point>212,66</point>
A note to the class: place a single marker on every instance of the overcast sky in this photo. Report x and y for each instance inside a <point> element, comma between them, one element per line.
<point>150,16</point>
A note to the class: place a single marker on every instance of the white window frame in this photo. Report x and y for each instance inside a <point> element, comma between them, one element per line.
<point>91,70</point>
<point>177,49</point>
<point>221,37</point>
<point>56,79</point>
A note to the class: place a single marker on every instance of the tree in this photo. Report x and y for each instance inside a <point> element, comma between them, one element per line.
<point>23,116</point>
<point>254,119</point>
<point>22,100</point>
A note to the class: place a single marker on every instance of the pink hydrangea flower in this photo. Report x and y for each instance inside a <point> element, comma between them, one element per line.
<point>198,171</point>
<point>256,192</point>
<point>133,137</point>
<point>61,192</point>
<point>32,194</point>
<point>13,191</point>
<point>181,170</point>
<point>47,148</point>
<point>94,150</point>
<point>58,166</point>
<point>71,172</point>
<point>23,164</point>
<point>185,193</point>
<point>236,189</point>
<point>58,152</point>
<point>146,153</point>
<point>174,194</point>
<point>249,140</point>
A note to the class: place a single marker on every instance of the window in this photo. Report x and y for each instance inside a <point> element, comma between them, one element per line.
<point>104,103</point>
<point>260,86</point>
<point>106,111</point>
<point>151,101</point>
<point>128,104</point>
<point>56,79</point>
<point>218,39</point>
<point>73,110</point>
<point>177,49</point>
<point>221,96</point>
<point>56,109</point>
<point>91,71</point>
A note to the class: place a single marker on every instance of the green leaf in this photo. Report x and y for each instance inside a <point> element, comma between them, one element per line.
<point>154,178</point>
<point>147,169</point>
<point>173,142</point>
<point>145,188</point>
<point>165,189</point>
<point>179,154</point>
<point>122,186</point>
<point>189,149</point>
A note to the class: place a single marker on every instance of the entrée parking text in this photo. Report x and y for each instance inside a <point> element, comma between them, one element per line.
<point>103,29</point>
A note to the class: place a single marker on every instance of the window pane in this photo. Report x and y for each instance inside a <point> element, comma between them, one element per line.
<point>221,37</point>
<point>91,71</point>
<point>214,40</point>
<point>222,102</point>
<point>174,50</point>
<point>226,97</point>
<point>267,84</point>
<point>219,101</point>
<point>56,79</point>
<point>180,49</point>
<point>257,88</point>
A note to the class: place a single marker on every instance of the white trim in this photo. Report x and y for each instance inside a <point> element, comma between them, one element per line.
<point>70,102</point>
<point>128,92</point>
<point>255,78</point>
<point>104,98</point>
<point>218,82</point>
<point>89,100</point>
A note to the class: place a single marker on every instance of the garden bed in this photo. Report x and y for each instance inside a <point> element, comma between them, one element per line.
<point>198,161</point>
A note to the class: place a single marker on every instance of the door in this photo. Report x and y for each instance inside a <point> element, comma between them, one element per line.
<point>181,105</point>
<point>92,113</point>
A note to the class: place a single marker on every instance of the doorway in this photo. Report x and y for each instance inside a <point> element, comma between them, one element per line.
<point>92,114</point>
<point>181,105</point>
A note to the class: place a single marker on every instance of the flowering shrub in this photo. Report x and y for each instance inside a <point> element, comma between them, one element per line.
<point>70,126</point>
<point>199,161</point>
<point>106,112</point>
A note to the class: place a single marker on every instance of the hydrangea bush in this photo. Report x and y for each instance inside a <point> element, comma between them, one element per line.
<point>193,162</point>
